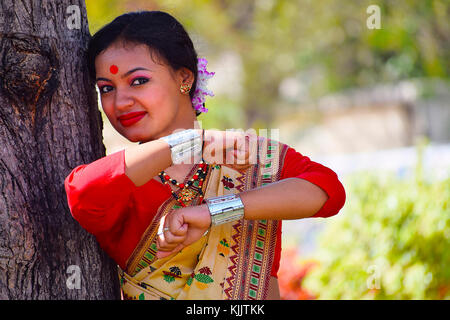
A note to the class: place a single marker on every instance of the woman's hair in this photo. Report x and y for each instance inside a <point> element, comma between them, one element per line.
<point>161,32</point>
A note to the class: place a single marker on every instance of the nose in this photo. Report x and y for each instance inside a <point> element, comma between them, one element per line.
<point>123,100</point>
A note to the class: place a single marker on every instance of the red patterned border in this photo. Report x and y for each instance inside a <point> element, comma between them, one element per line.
<point>245,234</point>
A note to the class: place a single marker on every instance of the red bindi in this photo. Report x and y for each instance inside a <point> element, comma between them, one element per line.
<point>113,69</point>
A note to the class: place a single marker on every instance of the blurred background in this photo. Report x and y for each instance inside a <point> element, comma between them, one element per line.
<point>359,86</point>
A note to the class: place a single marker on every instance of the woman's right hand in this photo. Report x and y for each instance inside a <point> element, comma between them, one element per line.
<point>235,149</point>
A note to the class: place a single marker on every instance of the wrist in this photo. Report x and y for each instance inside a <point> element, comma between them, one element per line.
<point>184,145</point>
<point>225,209</point>
<point>205,214</point>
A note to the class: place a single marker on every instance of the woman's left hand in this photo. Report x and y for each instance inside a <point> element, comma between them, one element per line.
<point>181,228</point>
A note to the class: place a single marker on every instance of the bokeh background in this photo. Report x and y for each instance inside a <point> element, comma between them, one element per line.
<point>372,104</point>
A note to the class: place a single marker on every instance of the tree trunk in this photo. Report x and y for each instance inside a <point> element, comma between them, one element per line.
<point>49,123</point>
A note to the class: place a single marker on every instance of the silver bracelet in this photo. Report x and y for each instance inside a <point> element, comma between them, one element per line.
<point>224,209</point>
<point>184,145</point>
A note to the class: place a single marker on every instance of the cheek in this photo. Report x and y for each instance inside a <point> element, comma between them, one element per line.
<point>159,100</point>
<point>108,109</point>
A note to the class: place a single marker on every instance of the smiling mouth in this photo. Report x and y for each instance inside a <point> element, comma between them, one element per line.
<point>131,115</point>
<point>131,118</point>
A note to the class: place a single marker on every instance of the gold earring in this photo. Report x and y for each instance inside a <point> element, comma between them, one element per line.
<point>185,88</point>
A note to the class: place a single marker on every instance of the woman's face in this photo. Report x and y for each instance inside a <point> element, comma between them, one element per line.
<point>141,97</point>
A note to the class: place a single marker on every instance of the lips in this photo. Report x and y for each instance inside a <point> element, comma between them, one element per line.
<point>131,115</point>
<point>131,118</point>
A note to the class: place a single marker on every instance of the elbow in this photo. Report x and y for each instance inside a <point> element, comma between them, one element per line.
<point>338,199</point>
<point>84,216</point>
<point>91,221</point>
<point>71,194</point>
<point>335,201</point>
<point>73,187</point>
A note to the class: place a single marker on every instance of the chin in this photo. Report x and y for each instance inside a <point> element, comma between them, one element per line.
<point>132,137</point>
<point>139,137</point>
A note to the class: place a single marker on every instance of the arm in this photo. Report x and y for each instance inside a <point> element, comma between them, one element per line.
<point>99,193</point>
<point>144,161</point>
<point>307,189</point>
<point>301,167</point>
<point>287,199</point>
<point>283,200</point>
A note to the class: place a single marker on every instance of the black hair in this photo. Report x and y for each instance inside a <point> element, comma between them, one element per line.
<point>160,31</point>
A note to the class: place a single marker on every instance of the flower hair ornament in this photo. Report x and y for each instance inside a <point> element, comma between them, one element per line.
<point>198,100</point>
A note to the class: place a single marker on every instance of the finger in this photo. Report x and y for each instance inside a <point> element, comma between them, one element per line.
<point>162,225</point>
<point>238,167</point>
<point>163,246</point>
<point>163,254</point>
<point>247,150</point>
<point>228,140</point>
<point>236,157</point>
<point>181,231</point>
<point>170,227</point>
<point>212,150</point>
<point>253,148</point>
<point>171,239</point>
<point>177,225</point>
<point>240,156</point>
<point>178,248</point>
<point>238,152</point>
<point>167,239</point>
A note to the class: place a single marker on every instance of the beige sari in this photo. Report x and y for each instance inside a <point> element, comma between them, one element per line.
<point>232,262</point>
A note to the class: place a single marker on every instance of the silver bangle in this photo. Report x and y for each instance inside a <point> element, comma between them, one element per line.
<point>184,145</point>
<point>224,209</point>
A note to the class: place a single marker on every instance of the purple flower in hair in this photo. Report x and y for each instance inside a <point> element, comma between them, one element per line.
<point>201,90</point>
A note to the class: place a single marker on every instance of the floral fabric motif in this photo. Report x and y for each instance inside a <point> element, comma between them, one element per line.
<point>227,182</point>
<point>223,248</point>
<point>174,272</point>
<point>203,278</point>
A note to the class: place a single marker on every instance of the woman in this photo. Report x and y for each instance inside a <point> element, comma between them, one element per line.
<point>176,212</point>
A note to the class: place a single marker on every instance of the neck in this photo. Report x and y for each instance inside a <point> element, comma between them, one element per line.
<point>185,119</point>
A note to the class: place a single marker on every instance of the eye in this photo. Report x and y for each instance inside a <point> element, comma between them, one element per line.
<point>139,81</point>
<point>105,89</point>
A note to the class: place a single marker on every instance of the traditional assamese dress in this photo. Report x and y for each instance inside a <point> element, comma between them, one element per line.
<point>232,261</point>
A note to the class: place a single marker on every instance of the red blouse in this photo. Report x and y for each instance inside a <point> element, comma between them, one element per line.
<point>107,204</point>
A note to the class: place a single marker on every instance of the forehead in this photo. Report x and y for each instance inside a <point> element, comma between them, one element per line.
<point>128,56</point>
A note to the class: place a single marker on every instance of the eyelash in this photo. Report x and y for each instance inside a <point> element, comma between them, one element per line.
<point>139,78</point>
<point>145,80</point>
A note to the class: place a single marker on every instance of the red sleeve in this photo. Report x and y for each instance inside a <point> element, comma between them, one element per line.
<point>299,166</point>
<point>277,256</point>
<point>99,193</point>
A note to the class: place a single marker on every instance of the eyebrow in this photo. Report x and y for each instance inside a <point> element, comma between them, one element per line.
<point>126,73</point>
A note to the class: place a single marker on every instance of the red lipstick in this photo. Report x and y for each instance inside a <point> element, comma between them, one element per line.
<point>131,118</point>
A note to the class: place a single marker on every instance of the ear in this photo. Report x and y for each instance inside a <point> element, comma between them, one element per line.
<point>185,76</point>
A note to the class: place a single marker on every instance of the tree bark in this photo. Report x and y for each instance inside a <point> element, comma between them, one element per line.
<point>49,124</point>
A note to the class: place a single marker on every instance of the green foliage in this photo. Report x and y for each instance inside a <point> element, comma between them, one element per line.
<point>392,241</point>
<point>101,12</point>
<point>223,113</point>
